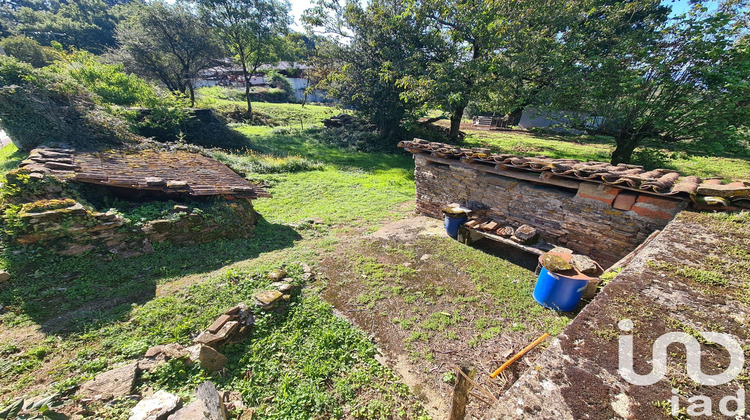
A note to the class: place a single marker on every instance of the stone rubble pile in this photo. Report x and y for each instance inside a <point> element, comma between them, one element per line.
<point>233,326</point>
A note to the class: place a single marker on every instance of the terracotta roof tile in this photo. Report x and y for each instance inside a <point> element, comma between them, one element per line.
<point>657,181</point>
<point>170,172</point>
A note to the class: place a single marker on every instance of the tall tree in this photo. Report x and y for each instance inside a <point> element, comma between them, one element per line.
<point>253,30</point>
<point>367,52</point>
<point>83,24</point>
<point>649,77</point>
<point>167,43</point>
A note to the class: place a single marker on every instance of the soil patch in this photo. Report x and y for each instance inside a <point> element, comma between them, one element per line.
<point>432,304</point>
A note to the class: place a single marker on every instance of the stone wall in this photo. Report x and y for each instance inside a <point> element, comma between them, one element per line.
<point>68,228</point>
<point>602,222</point>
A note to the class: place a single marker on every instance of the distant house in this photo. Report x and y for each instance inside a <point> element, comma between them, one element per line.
<point>227,73</point>
<point>562,121</point>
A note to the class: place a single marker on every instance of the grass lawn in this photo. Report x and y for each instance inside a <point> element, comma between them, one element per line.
<point>65,319</point>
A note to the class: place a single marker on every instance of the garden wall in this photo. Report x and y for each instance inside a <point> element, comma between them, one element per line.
<point>594,219</point>
<point>68,228</point>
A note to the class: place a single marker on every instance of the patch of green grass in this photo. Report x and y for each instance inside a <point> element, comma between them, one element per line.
<point>509,285</point>
<point>685,158</point>
<point>702,276</point>
<point>336,196</point>
<point>251,162</point>
<point>10,157</point>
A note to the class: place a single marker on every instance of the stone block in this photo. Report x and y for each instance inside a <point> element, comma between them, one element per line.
<point>218,323</point>
<point>210,359</point>
<point>598,192</point>
<point>155,407</point>
<point>220,336</point>
<point>111,384</point>
<point>625,200</point>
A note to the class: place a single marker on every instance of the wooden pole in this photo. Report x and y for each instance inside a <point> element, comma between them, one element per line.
<point>519,355</point>
<point>461,393</point>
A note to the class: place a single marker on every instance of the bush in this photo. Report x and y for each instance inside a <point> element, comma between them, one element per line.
<point>40,106</point>
<point>279,81</point>
<point>28,50</point>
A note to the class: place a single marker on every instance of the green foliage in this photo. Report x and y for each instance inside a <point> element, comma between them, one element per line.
<point>108,81</point>
<point>28,50</point>
<point>84,24</point>
<point>671,80</point>
<point>279,81</point>
<point>252,30</point>
<point>250,163</point>
<point>382,46</point>
<point>41,106</point>
<point>167,42</point>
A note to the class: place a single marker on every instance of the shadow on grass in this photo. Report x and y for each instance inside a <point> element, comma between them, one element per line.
<point>74,294</point>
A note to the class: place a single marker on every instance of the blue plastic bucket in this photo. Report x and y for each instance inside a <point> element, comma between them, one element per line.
<point>558,292</point>
<point>452,223</point>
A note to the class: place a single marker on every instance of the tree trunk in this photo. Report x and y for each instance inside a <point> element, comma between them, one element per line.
<point>247,84</point>
<point>516,115</point>
<point>458,113</point>
<point>626,144</point>
<point>191,91</point>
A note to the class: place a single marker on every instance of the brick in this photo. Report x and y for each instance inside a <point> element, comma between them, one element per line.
<point>599,192</point>
<point>651,213</point>
<point>625,200</point>
<point>663,203</point>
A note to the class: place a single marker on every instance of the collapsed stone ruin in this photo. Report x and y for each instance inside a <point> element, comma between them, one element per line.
<point>69,228</point>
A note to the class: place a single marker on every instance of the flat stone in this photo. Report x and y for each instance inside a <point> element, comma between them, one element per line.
<point>555,263</point>
<point>526,233</point>
<point>180,208</point>
<point>723,190</point>
<point>282,286</point>
<point>177,184</point>
<point>155,407</point>
<point>196,410</point>
<point>155,181</point>
<point>267,297</point>
<point>207,393</point>
<point>224,333</point>
<point>210,359</point>
<point>277,275</point>
<point>4,276</point>
<point>584,264</point>
<point>561,250</point>
<point>174,350</point>
<point>114,383</point>
<point>218,323</point>
<point>505,231</point>
<point>234,310</point>
<point>153,351</point>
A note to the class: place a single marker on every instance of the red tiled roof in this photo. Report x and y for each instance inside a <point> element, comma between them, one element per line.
<point>657,181</point>
<point>179,172</point>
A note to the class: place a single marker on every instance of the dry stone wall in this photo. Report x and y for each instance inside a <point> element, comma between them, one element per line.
<point>72,229</point>
<point>597,220</point>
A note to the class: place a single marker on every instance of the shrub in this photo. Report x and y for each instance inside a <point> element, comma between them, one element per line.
<point>279,81</point>
<point>41,106</point>
<point>28,50</point>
